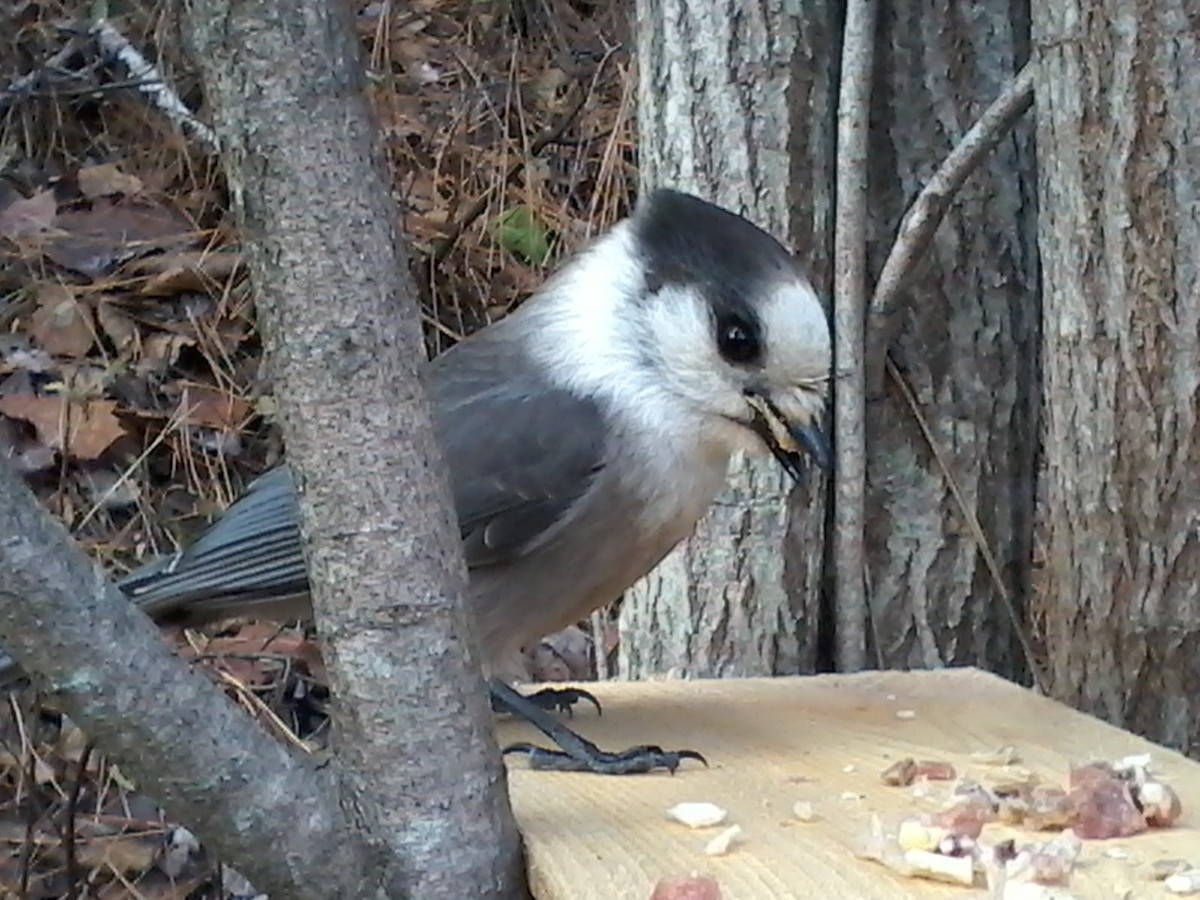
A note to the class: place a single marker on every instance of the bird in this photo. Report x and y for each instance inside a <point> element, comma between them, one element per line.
<point>585,435</point>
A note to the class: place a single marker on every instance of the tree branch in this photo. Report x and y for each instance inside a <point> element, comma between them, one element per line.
<point>850,250</point>
<point>929,208</point>
<point>237,787</point>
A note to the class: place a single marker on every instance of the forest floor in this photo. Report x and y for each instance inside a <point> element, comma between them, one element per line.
<point>131,395</point>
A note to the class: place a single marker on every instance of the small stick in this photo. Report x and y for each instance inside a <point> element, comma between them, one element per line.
<point>151,82</point>
<point>929,208</point>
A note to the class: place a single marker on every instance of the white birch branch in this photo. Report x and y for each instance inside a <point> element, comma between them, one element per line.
<point>151,82</point>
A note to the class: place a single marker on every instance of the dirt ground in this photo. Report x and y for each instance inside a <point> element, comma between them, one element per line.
<point>131,395</point>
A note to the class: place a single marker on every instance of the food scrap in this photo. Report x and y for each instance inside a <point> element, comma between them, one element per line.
<point>904,772</point>
<point>687,887</point>
<point>1102,800</point>
<point>1183,882</point>
<point>697,815</point>
<point>720,844</point>
<point>804,811</point>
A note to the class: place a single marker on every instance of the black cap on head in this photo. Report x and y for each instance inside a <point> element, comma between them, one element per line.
<point>688,241</point>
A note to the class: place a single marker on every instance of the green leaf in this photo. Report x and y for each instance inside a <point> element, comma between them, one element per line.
<point>520,233</point>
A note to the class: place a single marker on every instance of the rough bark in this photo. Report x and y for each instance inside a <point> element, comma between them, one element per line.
<point>735,102</point>
<point>341,332</point>
<point>965,339</point>
<point>239,788</point>
<point>1118,114</point>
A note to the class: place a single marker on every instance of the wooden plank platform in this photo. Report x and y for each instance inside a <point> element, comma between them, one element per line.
<point>772,742</point>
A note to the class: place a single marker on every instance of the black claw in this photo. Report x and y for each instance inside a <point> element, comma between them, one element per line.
<point>634,761</point>
<point>563,699</point>
<point>577,753</point>
<point>559,700</point>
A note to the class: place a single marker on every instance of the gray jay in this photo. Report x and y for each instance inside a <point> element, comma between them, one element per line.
<point>585,435</point>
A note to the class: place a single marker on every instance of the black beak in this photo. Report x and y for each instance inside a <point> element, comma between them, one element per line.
<point>788,443</point>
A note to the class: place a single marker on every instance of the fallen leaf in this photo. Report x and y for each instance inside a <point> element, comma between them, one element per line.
<point>61,324</point>
<point>160,351</point>
<point>82,428</point>
<point>211,407</point>
<point>94,241</point>
<point>116,324</point>
<point>520,233</point>
<point>106,180</point>
<point>189,270</point>
<point>256,638</point>
<point>42,772</point>
<point>126,854</point>
<point>108,489</point>
<point>28,216</point>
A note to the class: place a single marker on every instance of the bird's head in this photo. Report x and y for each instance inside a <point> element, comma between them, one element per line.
<point>688,310</point>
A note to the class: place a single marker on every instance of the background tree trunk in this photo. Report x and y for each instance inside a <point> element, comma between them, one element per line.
<point>760,99</point>
<point>963,336</point>
<point>1118,114</point>
<point>735,103</point>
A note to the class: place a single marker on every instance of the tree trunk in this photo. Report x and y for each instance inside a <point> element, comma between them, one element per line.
<point>341,329</point>
<point>964,339</point>
<point>736,104</point>
<point>1118,118</point>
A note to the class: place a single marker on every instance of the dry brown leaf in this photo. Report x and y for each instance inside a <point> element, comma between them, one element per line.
<point>61,324</point>
<point>93,241</point>
<point>117,325</point>
<point>155,886</point>
<point>28,216</point>
<point>256,638</point>
<point>211,407</point>
<point>106,180</point>
<point>71,744</point>
<point>160,351</point>
<point>84,429</point>
<point>126,854</point>
<point>19,766</point>
<point>24,452</point>
<point>187,270</point>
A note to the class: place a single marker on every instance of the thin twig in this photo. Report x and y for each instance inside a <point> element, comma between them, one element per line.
<point>114,45</point>
<point>28,83</point>
<point>1040,680</point>
<point>74,876</point>
<point>32,814</point>
<point>926,212</point>
<point>850,248</point>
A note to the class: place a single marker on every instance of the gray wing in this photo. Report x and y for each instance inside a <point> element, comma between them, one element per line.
<point>520,453</point>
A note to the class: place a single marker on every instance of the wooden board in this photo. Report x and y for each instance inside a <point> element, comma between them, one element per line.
<point>772,742</point>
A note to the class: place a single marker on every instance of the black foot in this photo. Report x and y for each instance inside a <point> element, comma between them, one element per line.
<point>634,761</point>
<point>577,753</point>
<point>557,700</point>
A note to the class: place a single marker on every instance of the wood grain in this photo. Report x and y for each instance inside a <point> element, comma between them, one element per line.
<point>772,742</point>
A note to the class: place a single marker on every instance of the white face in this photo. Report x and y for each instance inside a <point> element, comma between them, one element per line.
<point>658,358</point>
<point>793,371</point>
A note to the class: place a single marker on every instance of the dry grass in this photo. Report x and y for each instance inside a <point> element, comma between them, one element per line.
<point>130,390</point>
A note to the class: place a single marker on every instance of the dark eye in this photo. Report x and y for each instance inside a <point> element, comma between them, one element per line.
<point>737,340</point>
